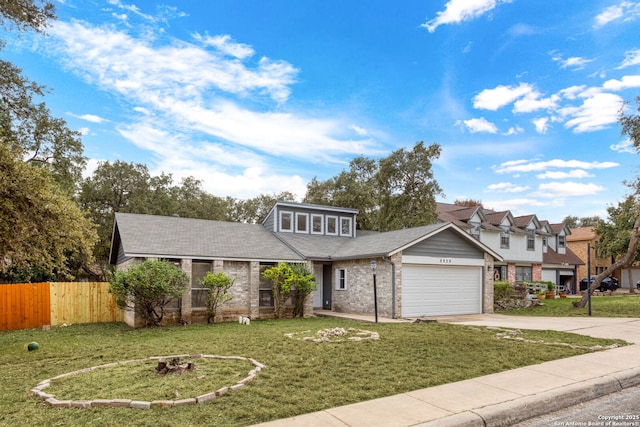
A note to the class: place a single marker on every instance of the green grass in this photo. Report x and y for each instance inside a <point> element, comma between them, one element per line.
<point>601,306</point>
<point>301,376</point>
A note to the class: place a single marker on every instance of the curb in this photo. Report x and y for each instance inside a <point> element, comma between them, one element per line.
<point>527,407</point>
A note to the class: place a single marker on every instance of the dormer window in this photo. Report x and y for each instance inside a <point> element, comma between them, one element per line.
<point>332,225</point>
<point>286,221</point>
<point>562,241</point>
<point>475,232</point>
<point>505,238</point>
<point>302,223</point>
<point>345,226</point>
<point>317,224</point>
<point>531,240</point>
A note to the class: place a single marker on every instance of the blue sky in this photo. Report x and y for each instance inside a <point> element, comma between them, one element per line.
<point>255,96</point>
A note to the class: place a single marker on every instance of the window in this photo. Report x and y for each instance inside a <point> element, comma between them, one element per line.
<point>332,225</point>
<point>317,224</point>
<point>302,223</point>
<point>562,242</point>
<point>531,240</point>
<point>523,274</point>
<point>341,279</point>
<point>265,289</point>
<point>286,221</point>
<point>345,226</point>
<point>505,238</point>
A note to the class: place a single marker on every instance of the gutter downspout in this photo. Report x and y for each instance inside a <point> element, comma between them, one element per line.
<point>393,285</point>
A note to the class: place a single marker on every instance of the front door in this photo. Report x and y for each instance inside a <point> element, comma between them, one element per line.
<point>326,286</point>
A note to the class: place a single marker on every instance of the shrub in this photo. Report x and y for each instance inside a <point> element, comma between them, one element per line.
<point>218,285</point>
<point>502,290</point>
<point>147,288</point>
<point>288,278</point>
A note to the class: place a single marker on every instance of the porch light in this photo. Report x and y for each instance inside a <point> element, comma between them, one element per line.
<point>374,266</point>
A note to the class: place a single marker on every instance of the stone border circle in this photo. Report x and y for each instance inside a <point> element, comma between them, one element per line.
<point>335,335</point>
<point>137,404</point>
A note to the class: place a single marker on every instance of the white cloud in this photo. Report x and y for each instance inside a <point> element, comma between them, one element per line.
<point>576,173</point>
<point>479,125</point>
<point>89,117</point>
<point>360,131</point>
<point>627,82</point>
<point>625,10</point>
<point>506,187</point>
<point>514,130</point>
<point>567,189</point>
<point>597,111</point>
<point>225,45</point>
<point>631,57</point>
<point>84,131</point>
<point>189,88</point>
<point>532,102</point>
<point>457,11</point>
<point>498,97</point>
<point>575,62</point>
<point>541,124</point>
<point>522,166</point>
<point>625,146</point>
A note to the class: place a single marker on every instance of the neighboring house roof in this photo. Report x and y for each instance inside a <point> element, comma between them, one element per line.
<point>167,237</point>
<point>582,234</point>
<point>171,237</point>
<point>568,259</point>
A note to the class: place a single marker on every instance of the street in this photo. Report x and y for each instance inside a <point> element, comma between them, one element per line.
<point>619,409</point>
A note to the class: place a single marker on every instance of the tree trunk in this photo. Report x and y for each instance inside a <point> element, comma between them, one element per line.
<point>632,286</point>
<point>625,261</point>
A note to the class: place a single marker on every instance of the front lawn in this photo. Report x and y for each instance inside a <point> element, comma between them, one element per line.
<point>601,306</point>
<point>301,376</point>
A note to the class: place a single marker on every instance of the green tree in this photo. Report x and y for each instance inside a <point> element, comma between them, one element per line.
<point>587,221</point>
<point>621,233</point>
<point>41,228</point>
<point>255,210</point>
<point>288,279</point>
<point>218,285</point>
<point>147,288</point>
<point>26,14</point>
<point>304,283</point>
<point>394,192</point>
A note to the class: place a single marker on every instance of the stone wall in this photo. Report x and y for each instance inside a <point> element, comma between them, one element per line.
<point>358,298</point>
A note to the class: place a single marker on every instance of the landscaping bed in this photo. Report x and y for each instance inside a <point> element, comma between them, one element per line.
<point>300,375</point>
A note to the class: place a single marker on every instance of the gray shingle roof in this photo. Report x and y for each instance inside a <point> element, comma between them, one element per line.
<point>164,236</point>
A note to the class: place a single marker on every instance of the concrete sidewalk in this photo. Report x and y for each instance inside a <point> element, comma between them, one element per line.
<point>507,397</point>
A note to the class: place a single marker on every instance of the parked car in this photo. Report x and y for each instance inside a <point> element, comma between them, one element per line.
<point>607,284</point>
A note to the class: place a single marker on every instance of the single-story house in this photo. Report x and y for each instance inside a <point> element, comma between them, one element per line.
<point>437,269</point>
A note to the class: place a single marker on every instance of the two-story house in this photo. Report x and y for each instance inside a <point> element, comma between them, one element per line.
<point>438,269</point>
<point>531,250</point>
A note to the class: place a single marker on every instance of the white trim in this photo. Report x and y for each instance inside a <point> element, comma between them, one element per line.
<point>444,261</point>
<point>350,232</point>
<point>280,215</point>
<point>333,217</point>
<point>321,223</point>
<point>306,223</point>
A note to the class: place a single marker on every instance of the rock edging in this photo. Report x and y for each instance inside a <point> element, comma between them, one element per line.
<point>38,392</point>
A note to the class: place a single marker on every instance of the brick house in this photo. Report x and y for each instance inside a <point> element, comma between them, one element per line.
<point>580,239</point>
<point>438,269</point>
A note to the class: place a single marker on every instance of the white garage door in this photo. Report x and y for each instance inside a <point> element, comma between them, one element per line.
<point>429,290</point>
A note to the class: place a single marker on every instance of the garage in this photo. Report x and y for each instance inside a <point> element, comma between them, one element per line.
<point>435,290</point>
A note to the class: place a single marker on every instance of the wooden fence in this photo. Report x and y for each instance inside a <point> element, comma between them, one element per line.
<point>33,305</point>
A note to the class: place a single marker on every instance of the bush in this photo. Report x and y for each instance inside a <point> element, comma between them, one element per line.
<point>218,285</point>
<point>147,288</point>
<point>502,290</point>
<point>287,279</point>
